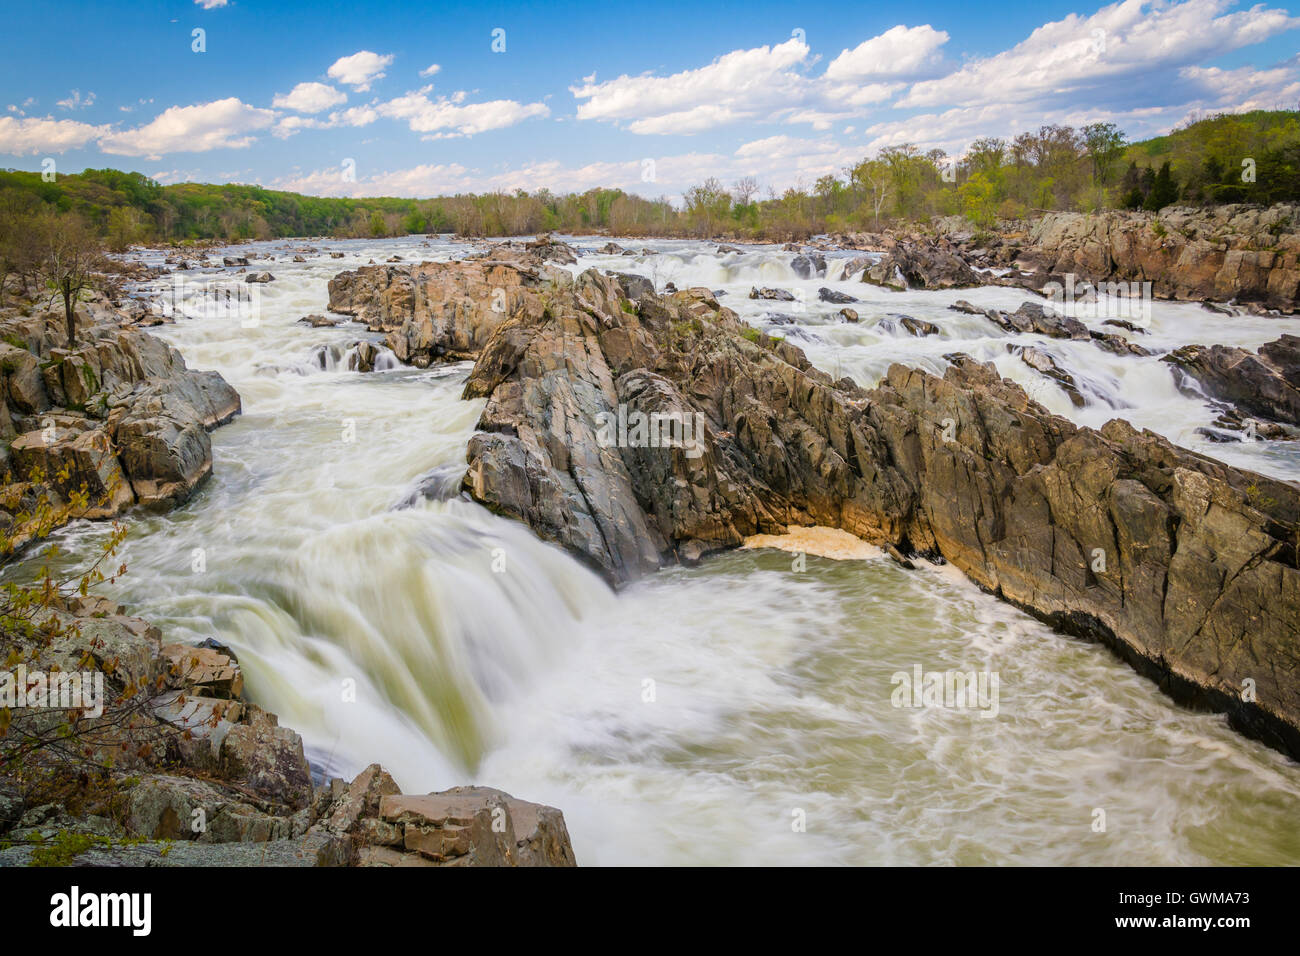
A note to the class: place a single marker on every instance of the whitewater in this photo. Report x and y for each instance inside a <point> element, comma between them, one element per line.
<point>702,714</point>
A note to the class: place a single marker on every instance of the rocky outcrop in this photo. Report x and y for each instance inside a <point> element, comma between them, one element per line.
<point>920,265</point>
<point>439,310</point>
<point>638,432</point>
<point>118,412</point>
<point>1265,384</point>
<point>1250,254</point>
<point>180,770</point>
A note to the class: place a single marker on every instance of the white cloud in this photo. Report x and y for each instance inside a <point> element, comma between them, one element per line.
<point>352,116</point>
<point>765,84</point>
<point>360,69</point>
<point>1119,44</point>
<point>310,98</point>
<point>211,4</point>
<point>221,124</point>
<point>742,84</point>
<point>22,137</point>
<point>445,117</point>
<point>76,102</point>
<point>899,51</point>
<point>431,69</point>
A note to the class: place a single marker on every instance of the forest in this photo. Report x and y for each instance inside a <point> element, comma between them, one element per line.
<point>1249,157</point>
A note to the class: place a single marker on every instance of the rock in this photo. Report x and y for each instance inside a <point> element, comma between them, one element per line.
<point>299,259</point>
<point>89,459</point>
<point>260,277</point>
<point>918,327</point>
<point>320,321</point>
<point>611,249</point>
<point>807,266</point>
<point>778,295</point>
<point>1247,254</point>
<point>1266,384</point>
<point>271,760</point>
<point>478,826</point>
<point>830,295</point>
<point>203,670</point>
<point>848,315</point>
<point>440,310</point>
<point>1043,363</point>
<point>232,261</point>
<point>1034,317</point>
<point>920,266</point>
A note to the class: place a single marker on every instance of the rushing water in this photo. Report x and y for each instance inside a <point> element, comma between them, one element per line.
<point>698,716</point>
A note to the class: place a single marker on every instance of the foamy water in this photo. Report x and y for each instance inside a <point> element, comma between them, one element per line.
<point>702,715</point>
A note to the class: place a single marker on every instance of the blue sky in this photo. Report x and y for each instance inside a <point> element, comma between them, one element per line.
<point>411,99</point>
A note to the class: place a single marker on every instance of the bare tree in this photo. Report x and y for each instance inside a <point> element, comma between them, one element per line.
<point>69,253</point>
<point>745,189</point>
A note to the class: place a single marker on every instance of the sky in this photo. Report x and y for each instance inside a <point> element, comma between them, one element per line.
<point>401,99</point>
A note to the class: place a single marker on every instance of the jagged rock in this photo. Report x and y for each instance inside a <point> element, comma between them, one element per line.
<point>778,295</point>
<point>1266,384</point>
<point>1043,363</point>
<point>320,321</point>
<point>838,298</point>
<point>439,310</point>
<point>918,327</point>
<point>807,266</point>
<point>1034,317</point>
<point>477,826</point>
<point>1249,254</point>
<point>271,759</point>
<point>260,277</point>
<point>920,266</point>
<point>232,261</point>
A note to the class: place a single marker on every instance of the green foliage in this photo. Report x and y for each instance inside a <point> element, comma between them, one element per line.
<point>1246,157</point>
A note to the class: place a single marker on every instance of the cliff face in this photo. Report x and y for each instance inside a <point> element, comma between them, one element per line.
<point>1187,567</point>
<point>1245,253</point>
<point>117,409</point>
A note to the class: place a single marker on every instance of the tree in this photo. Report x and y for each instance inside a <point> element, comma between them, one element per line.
<point>1105,144</point>
<point>1164,190</point>
<point>708,204</point>
<point>745,189</point>
<point>69,251</point>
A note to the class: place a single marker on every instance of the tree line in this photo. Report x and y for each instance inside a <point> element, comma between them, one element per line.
<point>1248,157</point>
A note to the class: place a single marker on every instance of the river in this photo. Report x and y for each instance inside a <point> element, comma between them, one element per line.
<point>734,713</point>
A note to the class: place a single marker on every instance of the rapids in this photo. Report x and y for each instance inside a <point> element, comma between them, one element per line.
<point>699,715</point>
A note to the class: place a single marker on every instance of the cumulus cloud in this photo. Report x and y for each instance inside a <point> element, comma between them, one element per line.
<point>221,124</point>
<point>445,116</point>
<point>742,84</point>
<point>352,116</point>
<point>765,84</point>
<point>212,4</point>
<point>310,98</point>
<point>431,69</point>
<point>31,136</point>
<point>1113,47</point>
<point>360,69</point>
<point>899,51</point>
